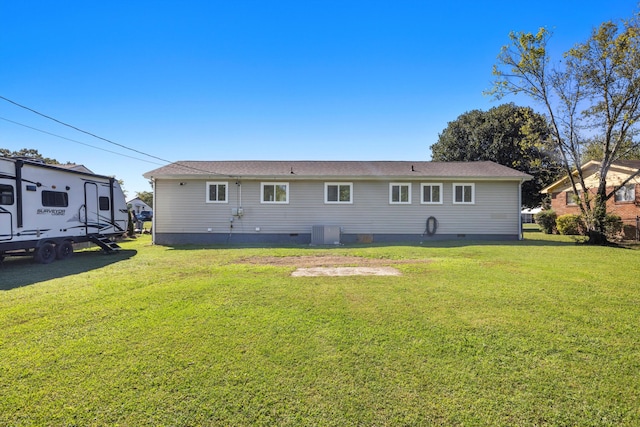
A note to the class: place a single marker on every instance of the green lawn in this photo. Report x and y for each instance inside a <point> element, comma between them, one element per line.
<point>539,332</point>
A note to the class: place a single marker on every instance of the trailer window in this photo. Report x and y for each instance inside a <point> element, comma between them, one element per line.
<point>104,203</point>
<point>56,199</point>
<point>6,194</point>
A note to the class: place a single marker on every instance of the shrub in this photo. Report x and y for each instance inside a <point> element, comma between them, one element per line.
<point>570,224</point>
<point>131,225</point>
<point>546,220</point>
<point>613,226</point>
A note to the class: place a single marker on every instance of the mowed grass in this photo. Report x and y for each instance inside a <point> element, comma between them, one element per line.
<point>539,332</point>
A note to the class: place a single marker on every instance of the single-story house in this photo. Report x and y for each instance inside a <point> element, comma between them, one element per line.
<point>75,167</point>
<point>625,202</point>
<point>136,205</point>
<point>326,202</point>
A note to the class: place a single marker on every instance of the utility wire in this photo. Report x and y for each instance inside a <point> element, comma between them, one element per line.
<point>79,142</point>
<point>106,140</point>
<point>83,131</point>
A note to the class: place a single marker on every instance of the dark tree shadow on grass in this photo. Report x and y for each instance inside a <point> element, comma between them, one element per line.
<point>16,272</point>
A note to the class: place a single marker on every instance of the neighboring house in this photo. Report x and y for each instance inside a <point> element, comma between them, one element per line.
<point>625,202</point>
<point>76,168</point>
<point>334,201</point>
<point>136,205</point>
<point>529,215</point>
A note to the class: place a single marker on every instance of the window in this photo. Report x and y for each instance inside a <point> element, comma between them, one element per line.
<point>104,203</point>
<point>274,192</point>
<point>626,193</point>
<point>464,194</point>
<point>56,199</point>
<point>6,194</point>
<point>431,193</point>
<point>400,193</point>
<point>571,197</point>
<point>217,192</point>
<point>338,192</point>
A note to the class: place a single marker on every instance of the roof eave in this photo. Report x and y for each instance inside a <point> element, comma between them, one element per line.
<point>592,163</point>
<point>296,177</point>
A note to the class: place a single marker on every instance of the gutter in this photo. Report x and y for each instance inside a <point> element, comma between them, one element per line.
<point>153,219</point>
<point>294,177</point>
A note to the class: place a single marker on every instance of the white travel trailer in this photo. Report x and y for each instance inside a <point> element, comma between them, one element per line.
<point>44,209</point>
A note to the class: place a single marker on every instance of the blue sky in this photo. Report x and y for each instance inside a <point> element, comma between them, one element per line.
<point>258,80</point>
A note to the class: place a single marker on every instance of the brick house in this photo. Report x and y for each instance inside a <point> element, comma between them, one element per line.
<point>625,202</point>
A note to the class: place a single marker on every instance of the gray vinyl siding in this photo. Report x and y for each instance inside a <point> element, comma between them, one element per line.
<point>183,209</point>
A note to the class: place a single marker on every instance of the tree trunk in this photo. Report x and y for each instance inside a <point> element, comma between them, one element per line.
<point>597,229</point>
<point>596,237</point>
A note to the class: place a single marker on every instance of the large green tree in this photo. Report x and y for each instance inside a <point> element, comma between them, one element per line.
<point>510,135</point>
<point>593,150</point>
<point>594,90</point>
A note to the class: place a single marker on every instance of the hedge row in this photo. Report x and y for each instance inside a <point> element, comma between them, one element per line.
<point>571,224</point>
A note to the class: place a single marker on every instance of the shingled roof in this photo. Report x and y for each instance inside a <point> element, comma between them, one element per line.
<point>293,170</point>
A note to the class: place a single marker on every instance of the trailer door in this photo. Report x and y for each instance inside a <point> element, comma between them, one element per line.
<point>91,213</point>
<point>6,233</point>
<point>7,203</point>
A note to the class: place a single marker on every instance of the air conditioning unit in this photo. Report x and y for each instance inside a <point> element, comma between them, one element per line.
<point>325,235</point>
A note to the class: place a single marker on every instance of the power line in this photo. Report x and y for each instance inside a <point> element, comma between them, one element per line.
<point>79,142</point>
<point>105,139</point>
<point>84,131</point>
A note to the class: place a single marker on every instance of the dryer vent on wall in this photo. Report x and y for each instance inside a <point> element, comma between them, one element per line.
<point>325,235</point>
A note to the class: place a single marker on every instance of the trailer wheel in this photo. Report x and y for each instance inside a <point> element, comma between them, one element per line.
<point>45,254</point>
<point>64,250</point>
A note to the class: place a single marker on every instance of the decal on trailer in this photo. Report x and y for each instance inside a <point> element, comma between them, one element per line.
<point>52,212</point>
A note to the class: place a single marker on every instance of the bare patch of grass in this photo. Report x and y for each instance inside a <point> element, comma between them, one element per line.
<point>309,261</point>
<point>345,271</point>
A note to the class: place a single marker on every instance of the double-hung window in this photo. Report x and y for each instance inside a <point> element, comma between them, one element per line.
<point>464,194</point>
<point>338,192</point>
<point>431,193</point>
<point>626,194</point>
<point>217,192</point>
<point>400,193</point>
<point>274,192</point>
<point>572,198</point>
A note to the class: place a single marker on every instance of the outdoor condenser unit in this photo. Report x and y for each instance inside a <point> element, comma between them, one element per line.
<point>325,235</point>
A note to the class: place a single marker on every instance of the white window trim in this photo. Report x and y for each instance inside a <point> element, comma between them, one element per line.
<point>464,184</point>
<point>570,198</point>
<point>430,184</point>
<point>339,184</point>
<point>226,193</point>
<point>401,184</point>
<point>633,189</point>
<point>263,184</point>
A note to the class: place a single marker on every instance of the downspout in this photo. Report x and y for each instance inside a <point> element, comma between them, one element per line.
<point>521,233</point>
<point>153,218</point>
<point>19,218</point>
